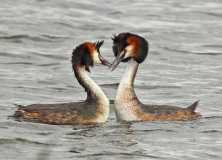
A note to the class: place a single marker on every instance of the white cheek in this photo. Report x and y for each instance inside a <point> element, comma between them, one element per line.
<point>96,57</point>
<point>129,51</point>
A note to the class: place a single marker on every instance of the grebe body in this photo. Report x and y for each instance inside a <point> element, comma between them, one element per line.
<point>95,109</point>
<point>133,49</point>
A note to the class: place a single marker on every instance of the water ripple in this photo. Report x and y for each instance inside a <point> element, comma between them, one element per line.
<point>20,140</point>
<point>51,56</point>
<point>7,54</point>
<point>113,154</point>
<point>212,131</point>
<point>192,52</point>
<point>19,38</point>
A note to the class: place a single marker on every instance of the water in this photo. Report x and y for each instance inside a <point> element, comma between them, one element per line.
<point>184,64</point>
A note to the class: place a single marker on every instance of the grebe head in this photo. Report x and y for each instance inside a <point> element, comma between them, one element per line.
<point>128,46</point>
<point>87,54</point>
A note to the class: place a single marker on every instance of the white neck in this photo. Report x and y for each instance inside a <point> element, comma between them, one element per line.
<point>126,101</point>
<point>127,81</point>
<point>88,83</point>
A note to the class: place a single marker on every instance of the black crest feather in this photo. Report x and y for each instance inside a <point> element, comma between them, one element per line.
<point>114,37</point>
<point>99,44</point>
<point>119,42</point>
<point>81,56</point>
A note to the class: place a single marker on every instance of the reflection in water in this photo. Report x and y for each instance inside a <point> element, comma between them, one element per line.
<point>113,137</point>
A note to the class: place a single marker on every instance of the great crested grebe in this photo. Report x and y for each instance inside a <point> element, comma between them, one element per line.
<point>95,109</point>
<point>133,49</point>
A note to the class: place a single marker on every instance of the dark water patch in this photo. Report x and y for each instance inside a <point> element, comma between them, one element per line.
<point>156,130</point>
<point>207,53</point>
<point>115,13</point>
<point>131,144</point>
<point>191,52</point>
<point>3,127</point>
<point>150,15</point>
<point>153,87</point>
<point>219,15</point>
<point>83,132</point>
<point>31,63</point>
<point>111,101</point>
<point>47,82</point>
<point>74,151</point>
<point>212,46</point>
<point>65,25</point>
<point>15,63</point>
<point>218,91</point>
<point>175,50</point>
<point>48,64</point>
<point>211,131</point>
<point>26,87</point>
<point>113,154</point>
<point>58,89</point>
<point>71,86</point>
<point>21,140</point>
<point>44,133</point>
<point>50,56</point>
<point>86,127</point>
<point>213,117</point>
<point>155,53</point>
<point>53,37</point>
<point>13,55</point>
<point>90,27</point>
<point>3,33</point>
<point>44,154</point>
<point>108,85</point>
<point>211,155</point>
<point>20,38</point>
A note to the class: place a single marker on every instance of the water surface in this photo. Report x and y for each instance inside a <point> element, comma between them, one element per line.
<point>184,65</point>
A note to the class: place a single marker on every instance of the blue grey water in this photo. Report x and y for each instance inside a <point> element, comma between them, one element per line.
<point>184,65</point>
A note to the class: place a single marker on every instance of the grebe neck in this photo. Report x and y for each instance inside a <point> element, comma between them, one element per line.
<point>126,86</point>
<point>94,92</point>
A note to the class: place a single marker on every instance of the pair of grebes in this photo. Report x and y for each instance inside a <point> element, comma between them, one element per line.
<point>128,48</point>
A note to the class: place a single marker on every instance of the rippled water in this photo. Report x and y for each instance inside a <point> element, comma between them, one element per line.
<point>184,64</point>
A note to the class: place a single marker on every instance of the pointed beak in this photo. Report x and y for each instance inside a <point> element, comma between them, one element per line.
<point>118,59</point>
<point>104,61</point>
